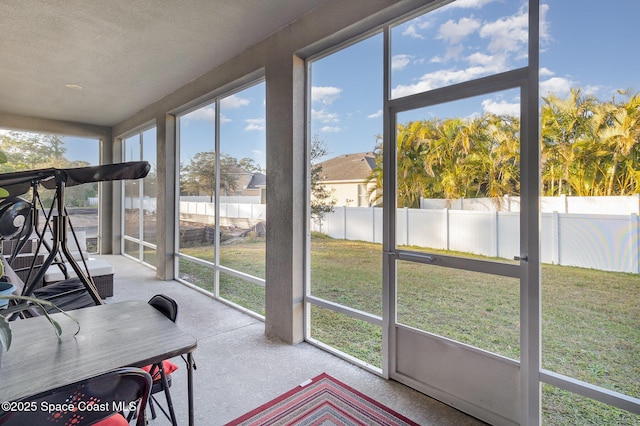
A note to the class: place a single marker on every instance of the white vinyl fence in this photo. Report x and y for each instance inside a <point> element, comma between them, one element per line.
<point>604,242</point>
<point>228,210</point>
<point>609,242</point>
<point>623,204</point>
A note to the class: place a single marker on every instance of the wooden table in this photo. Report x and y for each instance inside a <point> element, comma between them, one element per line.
<point>111,336</point>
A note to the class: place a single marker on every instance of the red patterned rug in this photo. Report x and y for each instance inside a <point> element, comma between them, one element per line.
<point>322,401</point>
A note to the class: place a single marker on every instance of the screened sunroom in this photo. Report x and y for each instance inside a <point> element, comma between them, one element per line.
<point>487,253</point>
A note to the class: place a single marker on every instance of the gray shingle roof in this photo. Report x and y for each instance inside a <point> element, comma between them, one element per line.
<point>356,166</point>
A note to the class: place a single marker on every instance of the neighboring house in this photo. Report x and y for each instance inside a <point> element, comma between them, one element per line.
<point>256,186</point>
<point>346,177</point>
<point>247,185</point>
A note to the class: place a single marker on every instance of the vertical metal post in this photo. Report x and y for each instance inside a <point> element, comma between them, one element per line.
<point>388,220</point>
<point>216,206</point>
<point>530,292</point>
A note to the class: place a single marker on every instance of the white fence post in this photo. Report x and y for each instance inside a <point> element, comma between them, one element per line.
<point>496,237</point>
<point>555,238</point>
<point>447,228</point>
<point>635,241</point>
<point>344,223</point>
<point>373,224</point>
<point>406,225</point>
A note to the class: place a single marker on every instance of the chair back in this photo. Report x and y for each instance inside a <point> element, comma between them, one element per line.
<point>166,305</point>
<point>87,401</point>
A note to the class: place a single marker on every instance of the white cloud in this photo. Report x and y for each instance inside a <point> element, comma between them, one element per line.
<point>412,32</point>
<point>325,94</point>
<point>544,23</point>
<point>234,101</point>
<point>399,62</point>
<point>546,72</point>
<point>330,129</point>
<point>501,107</point>
<point>255,124</point>
<point>593,89</point>
<point>558,86</point>
<point>376,114</point>
<point>481,59</point>
<point>225,119</point>
<point>416,25</point>
<point>323,116</point>
<point>455,32</point>
<point>467,4</point>
<point>508,34</point>
<point>206,113</point>
<point>442,78</point>
<point>453,52</point>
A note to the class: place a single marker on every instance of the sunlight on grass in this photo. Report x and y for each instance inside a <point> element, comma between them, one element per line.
<point>590,318</point>
<point>563,408</point>
<point>477,309</point>
<point>354,337</point>
<point>246,257</point>
<point>243,293</point>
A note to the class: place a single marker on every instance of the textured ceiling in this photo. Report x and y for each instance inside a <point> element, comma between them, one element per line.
<point>99,62</point>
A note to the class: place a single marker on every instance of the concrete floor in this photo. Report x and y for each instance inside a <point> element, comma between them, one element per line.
<point>238,368</point>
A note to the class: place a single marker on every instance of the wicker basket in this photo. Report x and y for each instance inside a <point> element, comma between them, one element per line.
<point>22,263</point>
<point>104,284</point>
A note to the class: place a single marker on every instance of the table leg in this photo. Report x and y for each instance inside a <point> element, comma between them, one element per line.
<point>190,386</point>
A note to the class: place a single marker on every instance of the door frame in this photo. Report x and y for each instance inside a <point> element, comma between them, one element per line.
<point>526,371</point>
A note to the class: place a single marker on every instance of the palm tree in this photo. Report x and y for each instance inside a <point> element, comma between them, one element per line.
<point>374,181</point>
<point>450,144</point>
<point>564,122</point>
<point>623,137</point>
<point>412,148</point>
<point>500,173</point>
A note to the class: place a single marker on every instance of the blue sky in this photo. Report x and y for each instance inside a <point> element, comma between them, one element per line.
<point>242,127</point>
<point>583,44</point>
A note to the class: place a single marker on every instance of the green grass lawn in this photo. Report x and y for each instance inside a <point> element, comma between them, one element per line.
<point>247,257</point>
<point>591,319</point>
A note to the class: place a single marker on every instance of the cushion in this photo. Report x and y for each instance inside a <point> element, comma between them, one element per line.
<point>115,419</point>
<point>97,267</point>
<point>169,367</point>
<point>79,255</point>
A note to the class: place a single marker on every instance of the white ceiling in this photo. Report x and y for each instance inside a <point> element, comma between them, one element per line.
<point>123,54</point>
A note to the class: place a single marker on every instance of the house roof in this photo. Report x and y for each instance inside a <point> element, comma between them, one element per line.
<point>356,166</point>
<point>257,180</point>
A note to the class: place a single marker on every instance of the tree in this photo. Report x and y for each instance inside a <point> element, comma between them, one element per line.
<point>321,201</point>
<point>249,165</point>
<point>590,147</point>
<point>623,138</point>
<point>200,174</point>
<point>565,123</point>
<point>413,178</point>
<point>454,158</point>
<point>28,151</point>
<point>499,157</point>
<point>374,181</point>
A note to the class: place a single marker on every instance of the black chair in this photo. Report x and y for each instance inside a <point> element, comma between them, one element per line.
<point>161,371</point>
<point>99,400</point>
